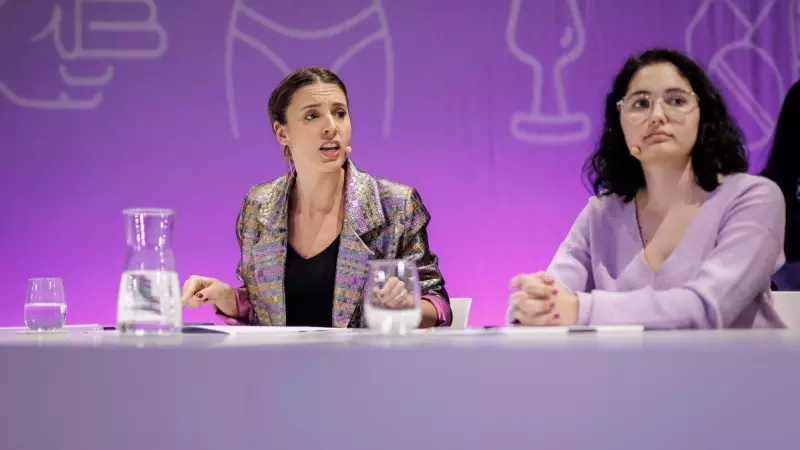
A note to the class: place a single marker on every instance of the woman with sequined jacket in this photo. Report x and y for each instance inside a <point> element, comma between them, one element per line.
<point>307,237</point>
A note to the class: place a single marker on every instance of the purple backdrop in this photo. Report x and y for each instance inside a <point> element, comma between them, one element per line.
<point>487,107</point>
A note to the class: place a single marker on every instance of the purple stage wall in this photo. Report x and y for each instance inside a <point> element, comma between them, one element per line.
<point>488,107</point>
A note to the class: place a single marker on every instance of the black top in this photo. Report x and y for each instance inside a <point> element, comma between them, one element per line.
<point>308,285</point>
<point>792,238</point>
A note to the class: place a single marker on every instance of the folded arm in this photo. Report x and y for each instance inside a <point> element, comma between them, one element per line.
<point>572,263</point>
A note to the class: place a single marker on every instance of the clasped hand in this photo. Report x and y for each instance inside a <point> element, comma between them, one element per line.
<point>539,300</point>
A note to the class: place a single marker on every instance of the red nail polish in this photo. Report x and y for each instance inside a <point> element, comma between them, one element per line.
<point>555,291</point>
<point>556,316</point>
<point>552,304</point>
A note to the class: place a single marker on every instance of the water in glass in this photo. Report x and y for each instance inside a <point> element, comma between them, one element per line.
<point>149,299</point>
<point>392,297</point>
<point>45,304</point>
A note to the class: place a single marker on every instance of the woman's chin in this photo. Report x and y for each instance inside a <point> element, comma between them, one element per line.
<point>663,153</point>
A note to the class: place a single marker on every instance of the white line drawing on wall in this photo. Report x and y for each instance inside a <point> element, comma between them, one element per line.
<point>733,83</point>
<point>794,35</point>
<point>234,34</point>
<point>150,25</point>
<point>62,102</point>
<point>536,126</point>
<point>98,80</point>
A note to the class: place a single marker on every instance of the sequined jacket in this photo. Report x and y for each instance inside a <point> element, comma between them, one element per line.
<point>383,220</point>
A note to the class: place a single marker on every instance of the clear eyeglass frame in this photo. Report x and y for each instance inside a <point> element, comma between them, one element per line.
<point>627,104</point>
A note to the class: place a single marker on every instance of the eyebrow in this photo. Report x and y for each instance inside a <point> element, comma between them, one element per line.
<point>317,105</point>
<point>645,91</point>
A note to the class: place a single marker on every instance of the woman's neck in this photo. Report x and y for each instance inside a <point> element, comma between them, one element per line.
<point>318,192</point>
<point>670,185</point>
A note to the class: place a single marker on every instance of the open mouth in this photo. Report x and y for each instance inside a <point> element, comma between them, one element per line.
<point>330,149</point>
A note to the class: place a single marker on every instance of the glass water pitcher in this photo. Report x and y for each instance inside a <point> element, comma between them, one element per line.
<point>149,299</point>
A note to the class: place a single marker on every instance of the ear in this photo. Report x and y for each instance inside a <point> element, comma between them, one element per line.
<point>280,133</point>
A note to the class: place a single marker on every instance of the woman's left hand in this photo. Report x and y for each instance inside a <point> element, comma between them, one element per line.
<point>394,295</point>
<point>531,307</point>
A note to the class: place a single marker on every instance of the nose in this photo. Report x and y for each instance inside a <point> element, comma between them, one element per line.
<point>657,113</point>
<point>329,126</point>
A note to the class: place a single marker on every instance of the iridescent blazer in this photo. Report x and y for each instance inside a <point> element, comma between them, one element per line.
<point>383,220</point>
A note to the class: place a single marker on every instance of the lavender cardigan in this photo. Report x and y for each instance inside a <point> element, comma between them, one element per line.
<point>718,276</point>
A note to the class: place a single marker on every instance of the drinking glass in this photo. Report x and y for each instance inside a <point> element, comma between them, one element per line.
<point>392,299</point>
<point>45,304</point>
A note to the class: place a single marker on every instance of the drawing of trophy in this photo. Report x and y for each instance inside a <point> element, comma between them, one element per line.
<point>549,120</point>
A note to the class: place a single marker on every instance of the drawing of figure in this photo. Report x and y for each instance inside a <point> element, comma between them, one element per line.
<point>345,32</point>
<point>93,38</point>
<point>746,72</point>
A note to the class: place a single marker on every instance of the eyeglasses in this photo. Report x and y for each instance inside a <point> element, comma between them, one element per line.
<point>638,107</point>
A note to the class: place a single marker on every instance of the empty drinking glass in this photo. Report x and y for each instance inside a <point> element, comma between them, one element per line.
<point>45,304</point>
<point>392,297</point>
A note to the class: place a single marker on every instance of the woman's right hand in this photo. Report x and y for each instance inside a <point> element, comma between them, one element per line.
<point>198,291</point>
<point>537,286</point>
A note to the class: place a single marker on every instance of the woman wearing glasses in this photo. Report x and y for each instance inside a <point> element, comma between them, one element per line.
<point>678,235</point>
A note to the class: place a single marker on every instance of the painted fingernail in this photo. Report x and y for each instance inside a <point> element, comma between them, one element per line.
<point>552,305</point>
<point>555,291</point>
<point>555,316</point>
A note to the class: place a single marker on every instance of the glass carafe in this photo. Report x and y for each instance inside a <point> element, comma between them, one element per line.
<point>149,299</point>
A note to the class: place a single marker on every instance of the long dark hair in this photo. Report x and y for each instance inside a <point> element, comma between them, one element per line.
<point>783,167</point>
<point>719,149</point>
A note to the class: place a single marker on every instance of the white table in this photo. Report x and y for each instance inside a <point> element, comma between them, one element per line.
<point>352,390</point>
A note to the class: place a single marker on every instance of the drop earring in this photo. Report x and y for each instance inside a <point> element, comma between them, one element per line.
<point>287,155</point>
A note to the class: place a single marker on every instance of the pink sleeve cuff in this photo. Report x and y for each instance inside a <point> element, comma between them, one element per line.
<point>244,310</point>
<point>442,310</point>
